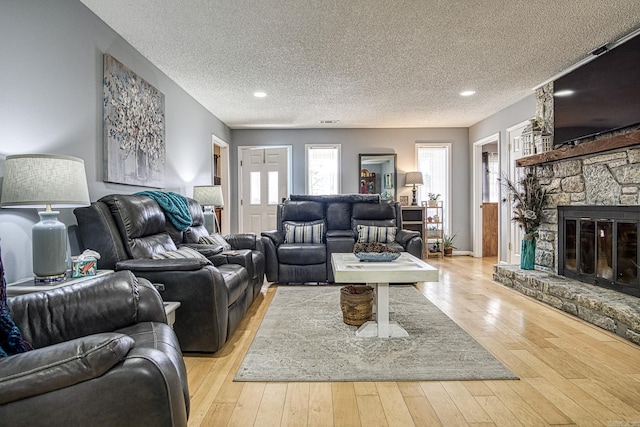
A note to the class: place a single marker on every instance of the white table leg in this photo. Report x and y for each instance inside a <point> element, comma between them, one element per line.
<point>382,327</point>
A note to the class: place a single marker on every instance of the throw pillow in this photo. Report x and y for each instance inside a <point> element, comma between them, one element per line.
<point>303,232</point>
<point>179,253</point>
<point>11,341</point>
<point>215,239</point>
<point>372,233</point>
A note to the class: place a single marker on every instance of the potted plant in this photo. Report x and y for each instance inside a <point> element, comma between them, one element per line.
<point>447,243</point>
<point>433,200</point>
<point>527,198</point>
<point>436,246</point>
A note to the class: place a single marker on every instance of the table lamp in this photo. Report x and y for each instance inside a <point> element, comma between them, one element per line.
<point>209,196</point>
<point>413,179</point>
<point>46,180</point>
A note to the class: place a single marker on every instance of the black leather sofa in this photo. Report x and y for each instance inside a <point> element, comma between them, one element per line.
<point>340,216</point>
<point>103,356</point>
<point>215,293</point>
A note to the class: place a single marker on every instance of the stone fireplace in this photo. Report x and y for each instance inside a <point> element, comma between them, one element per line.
<point>597,186</point>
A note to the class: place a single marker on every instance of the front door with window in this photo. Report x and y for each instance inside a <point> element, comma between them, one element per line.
<point>265,182</point>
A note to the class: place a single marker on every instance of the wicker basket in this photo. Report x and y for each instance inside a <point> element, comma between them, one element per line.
<point>357,308</point>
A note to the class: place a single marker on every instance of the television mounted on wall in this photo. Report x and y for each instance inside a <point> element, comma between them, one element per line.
<point>600,96</point>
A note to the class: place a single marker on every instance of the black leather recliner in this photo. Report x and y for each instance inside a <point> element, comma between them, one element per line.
<point>103,355</point>
<point>127,230</point>
<point>341,215</point>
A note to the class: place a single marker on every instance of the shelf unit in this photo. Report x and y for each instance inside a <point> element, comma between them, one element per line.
<point>413,219</point>
<point>433,229</point>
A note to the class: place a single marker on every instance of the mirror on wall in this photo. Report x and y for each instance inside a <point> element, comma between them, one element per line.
<point>378,175</point>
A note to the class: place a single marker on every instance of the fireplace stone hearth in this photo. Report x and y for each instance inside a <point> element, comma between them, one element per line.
<point>608,309</point>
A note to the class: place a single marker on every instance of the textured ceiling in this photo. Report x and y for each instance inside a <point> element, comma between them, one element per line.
<point>366,63</point>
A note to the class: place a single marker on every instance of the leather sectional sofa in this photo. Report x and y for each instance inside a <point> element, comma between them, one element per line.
<point>102,355</point>
<point>215,293</point>
<point>338,218</point>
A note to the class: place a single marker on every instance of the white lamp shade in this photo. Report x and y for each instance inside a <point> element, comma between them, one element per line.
<point>208,195</point>
<point>37,180</point>
<point>413,178</point>
<point>46,180</point>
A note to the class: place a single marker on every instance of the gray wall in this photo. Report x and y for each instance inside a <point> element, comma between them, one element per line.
<point>51,102</point>
<point>367,141</point>
<point>499,123</point>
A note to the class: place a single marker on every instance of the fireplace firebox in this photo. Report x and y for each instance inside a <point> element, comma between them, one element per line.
<point>599,245</point>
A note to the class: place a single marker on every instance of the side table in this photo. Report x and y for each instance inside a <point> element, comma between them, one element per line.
<point>170,308</point>
<point>27,286</point>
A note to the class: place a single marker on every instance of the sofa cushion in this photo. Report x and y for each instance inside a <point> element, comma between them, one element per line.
<point>215,239</point>
<point>184,252</point>
<point>372,233</point>
<point>302,254</point>
<point>303,211</point>
<point>303,232</point>
<point>338,216</point>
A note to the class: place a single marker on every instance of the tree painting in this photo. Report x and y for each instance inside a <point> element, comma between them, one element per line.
<point>134,141</point>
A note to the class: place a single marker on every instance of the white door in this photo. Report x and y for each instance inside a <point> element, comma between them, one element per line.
<point>265,182</point>
<point>515,174</point>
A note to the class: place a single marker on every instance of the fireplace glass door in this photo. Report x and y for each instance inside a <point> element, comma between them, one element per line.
<point>600,246</point>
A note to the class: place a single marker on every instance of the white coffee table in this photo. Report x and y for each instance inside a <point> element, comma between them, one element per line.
<point>406,269</point>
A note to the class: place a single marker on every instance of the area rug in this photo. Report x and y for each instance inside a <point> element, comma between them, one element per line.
<point>303,338</point>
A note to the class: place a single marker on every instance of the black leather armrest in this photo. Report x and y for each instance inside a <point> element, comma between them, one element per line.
<point>241,257</point>
<point>206,250</point>
<point>61,365</point>
<point>242,241</point>
<point>403,236</point>
<point>148,264</point>
<point>340,233</point>
<point>276,236</point>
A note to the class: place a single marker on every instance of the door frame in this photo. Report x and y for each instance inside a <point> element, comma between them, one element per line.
<point>510,170</point>
<point>476,168</point>
<point>241,184</point>
<point>224,174</point>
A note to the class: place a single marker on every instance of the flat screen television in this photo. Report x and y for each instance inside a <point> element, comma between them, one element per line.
<point>606,95</point>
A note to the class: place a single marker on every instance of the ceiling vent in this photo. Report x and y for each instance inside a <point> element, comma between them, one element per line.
<point>329,122</point>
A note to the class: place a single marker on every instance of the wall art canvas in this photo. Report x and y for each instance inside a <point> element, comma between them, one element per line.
<point>134,128</point>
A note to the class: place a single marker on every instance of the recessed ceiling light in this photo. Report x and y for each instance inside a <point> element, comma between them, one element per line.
<point>259,94</point>
<point>566,92</point>
<point>467,93</point>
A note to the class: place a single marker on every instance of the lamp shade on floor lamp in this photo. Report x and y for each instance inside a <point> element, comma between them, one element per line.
<point>209,196</point>
<point>49,181</point>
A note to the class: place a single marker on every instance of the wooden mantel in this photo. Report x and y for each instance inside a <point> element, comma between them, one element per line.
<point>613,142</point>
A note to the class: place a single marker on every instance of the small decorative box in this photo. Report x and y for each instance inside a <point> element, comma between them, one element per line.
<point>84,267</point>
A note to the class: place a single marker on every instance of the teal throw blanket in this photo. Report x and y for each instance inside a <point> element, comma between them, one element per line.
<point>175,206</point>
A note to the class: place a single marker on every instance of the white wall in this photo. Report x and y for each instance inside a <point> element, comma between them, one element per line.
<point>499,123</point>
<point>368,141</point>
<point>51,102</point>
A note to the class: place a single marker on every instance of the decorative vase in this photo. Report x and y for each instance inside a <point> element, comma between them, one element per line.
<point>528,253</point>
<point>142,164</point>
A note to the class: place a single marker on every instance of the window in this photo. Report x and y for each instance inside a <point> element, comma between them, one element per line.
<point>433,160</point>
<point>323,169</point>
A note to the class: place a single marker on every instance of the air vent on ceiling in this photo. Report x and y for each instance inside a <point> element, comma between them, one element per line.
<point>329,122</point>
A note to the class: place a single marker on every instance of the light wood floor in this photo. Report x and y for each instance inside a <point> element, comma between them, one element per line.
<point>571,373</point>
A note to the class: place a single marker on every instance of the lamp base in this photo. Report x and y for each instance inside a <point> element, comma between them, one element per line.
<point>49,239</point>
<point>414,202</point>
<point>50,279</point>
<point>209,219</point>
